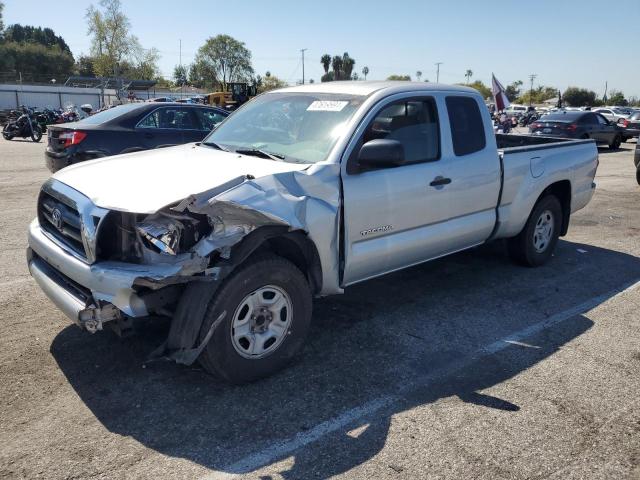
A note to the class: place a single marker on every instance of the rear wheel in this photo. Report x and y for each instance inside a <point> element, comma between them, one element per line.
<point>535,244</point>
<point>615,144</point>
<point>268,312</point>
<point>638,175</point>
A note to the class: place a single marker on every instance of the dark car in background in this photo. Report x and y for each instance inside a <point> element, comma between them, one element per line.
<point>631,125</point>
<point>129,128</point>
<point>579,124</point>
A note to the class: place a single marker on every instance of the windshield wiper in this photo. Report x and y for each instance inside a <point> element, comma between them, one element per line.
<point>256,152</point>
<point>215,145</point>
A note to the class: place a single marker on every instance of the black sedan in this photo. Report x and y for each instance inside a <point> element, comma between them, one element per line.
<point>579,124</point>
<point>129,128</point>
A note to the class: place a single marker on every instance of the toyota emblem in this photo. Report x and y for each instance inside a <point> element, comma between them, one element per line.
<point>56,218</point>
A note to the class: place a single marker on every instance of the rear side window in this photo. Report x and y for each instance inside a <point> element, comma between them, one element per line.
<point>467,128</point>
<point>209,119</point>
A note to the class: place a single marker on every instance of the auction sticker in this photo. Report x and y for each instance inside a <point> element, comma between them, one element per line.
<point>326,106</point>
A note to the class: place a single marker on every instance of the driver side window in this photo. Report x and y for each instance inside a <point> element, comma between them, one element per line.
<point>413,123</point>
<point>602,120</point>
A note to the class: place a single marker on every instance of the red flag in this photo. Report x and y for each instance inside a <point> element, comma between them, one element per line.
<point>499,94</point>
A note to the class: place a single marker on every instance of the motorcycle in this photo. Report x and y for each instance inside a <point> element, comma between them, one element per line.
<point>527,119</point>
<point>24,126</point>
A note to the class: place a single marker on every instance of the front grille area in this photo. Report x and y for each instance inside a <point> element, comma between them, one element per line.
<point>62,221</point>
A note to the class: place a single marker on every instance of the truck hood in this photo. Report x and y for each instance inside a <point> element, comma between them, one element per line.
<point>144,182</point>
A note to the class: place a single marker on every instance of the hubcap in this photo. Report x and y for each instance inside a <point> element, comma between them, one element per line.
<point>543,231</point>
<point>261,322</point>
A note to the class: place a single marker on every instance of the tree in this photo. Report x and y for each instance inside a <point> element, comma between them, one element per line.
<point>513,90</point>
<point>336,65</point>
<point>180,75</point>
<point>111,42</point>
<point>325,60</point>
<point>1,23</point>
<point>418,75</point>
<point>399,77</point>
<point>271,83</point>
<point>578,97</point>
<point>365,72</point>
<point>468,74</point>
<point>84,66</point>
<point>226,59</point>
<point>481,87</point>
<point>537,95</point>
<point>347,66</point>
<point>616,97</point>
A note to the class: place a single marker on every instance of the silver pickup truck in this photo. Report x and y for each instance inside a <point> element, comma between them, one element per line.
<point>300,193</point>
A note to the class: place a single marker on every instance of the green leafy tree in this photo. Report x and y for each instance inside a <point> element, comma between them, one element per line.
<point>271,83</point>
<point>180,75</point>
<point>468,74</point>
<point>84,66</point>
<point>365,72</point>
<point>336,65</point>
<point>347,67</point>
<point>578,97</point>
<point>225,59</point>
<point>616,97</point>
<point>35,62</point>
<point>480,87</point>
<point>537,95</point>
<point>325,60</point>
<point>114,50</point>
<point>399,77</point>
<point>512,91</point>
<point>1,22</point>
<point>43,36</point>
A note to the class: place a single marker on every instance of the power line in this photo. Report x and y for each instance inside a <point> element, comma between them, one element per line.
<point>302,50</point>
<point>532,77</point>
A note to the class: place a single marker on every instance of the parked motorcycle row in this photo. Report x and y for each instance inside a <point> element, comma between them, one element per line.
<point>32,122</point>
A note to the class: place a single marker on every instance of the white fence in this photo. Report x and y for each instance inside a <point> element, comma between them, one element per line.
<point>41,96</point>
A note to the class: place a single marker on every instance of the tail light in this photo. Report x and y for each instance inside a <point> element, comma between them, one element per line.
<point>72,138</point>
<point>623,122</point>
<point>572,127</point>
<point>536,125</point>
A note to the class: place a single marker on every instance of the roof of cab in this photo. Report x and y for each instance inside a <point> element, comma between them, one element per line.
<point>358,87</point>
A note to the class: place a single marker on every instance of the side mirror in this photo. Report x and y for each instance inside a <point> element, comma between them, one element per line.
<point>381,153</point>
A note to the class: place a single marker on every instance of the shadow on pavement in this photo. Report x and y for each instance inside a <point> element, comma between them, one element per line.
<point>381,336</point>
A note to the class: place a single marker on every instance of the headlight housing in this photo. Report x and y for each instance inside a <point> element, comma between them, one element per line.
<point>163,233</point>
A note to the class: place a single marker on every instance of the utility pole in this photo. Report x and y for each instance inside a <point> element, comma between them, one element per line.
<point>532,77</point>
<point>438,71</point>
<point>302,50</point>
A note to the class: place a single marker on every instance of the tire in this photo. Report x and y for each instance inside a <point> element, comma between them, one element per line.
<point>638,175</point>
<point>36,134</point>
<point>530,247</point>
<point>228,354</point>
<point>7,135</point>
<point>616,143</point>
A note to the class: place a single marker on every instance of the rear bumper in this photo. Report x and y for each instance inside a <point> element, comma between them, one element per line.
<point>75,286</point>
<point>55,161</point>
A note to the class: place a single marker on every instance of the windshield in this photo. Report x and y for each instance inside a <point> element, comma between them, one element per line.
<point>110,114</point>
<point>293,127</point>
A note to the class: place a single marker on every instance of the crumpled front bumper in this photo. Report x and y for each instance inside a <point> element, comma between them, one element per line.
<point>73,285</point>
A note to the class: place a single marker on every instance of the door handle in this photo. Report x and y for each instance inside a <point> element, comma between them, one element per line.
<point>440,181</point>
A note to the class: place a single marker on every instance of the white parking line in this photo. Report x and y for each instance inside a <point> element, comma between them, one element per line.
<point>280,449</point>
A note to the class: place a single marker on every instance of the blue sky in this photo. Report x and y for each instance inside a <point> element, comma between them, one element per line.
<point>569,42</point>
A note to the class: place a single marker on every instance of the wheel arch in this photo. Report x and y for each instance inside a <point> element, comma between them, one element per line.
<point>562,191</point>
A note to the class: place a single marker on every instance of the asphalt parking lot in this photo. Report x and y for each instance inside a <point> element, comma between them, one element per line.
<point>465,367</point>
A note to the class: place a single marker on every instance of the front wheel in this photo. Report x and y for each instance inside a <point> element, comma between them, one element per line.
<point>36,134</point>
<point>535,244</point>
<point>268,312</point>
<point>6,133</point>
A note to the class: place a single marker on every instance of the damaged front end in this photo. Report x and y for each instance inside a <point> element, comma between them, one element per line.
<point>146,263</point>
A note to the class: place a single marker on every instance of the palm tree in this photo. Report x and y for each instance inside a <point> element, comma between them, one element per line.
<point>365,72</point>
<point>336,63</point>
<point>347,66</point>
<point>418,75</point>
<point>468,74</point>
<point>325,60</point>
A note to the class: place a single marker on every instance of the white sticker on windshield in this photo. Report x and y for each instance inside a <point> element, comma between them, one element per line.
<point>326,106</point>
